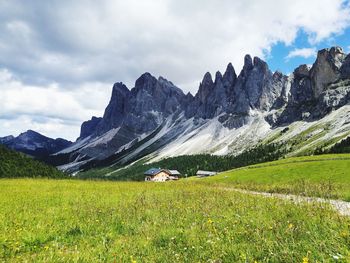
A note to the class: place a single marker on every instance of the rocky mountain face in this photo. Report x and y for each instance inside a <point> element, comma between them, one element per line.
<point>132,114</point>
<point>156,115</point>
<point>139,110</point>
<point>34,144</point>
<point>318,90</point>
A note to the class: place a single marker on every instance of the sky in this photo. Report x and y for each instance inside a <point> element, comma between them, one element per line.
<point>60,58</point>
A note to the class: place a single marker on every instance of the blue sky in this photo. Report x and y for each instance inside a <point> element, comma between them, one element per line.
<point>278,56</point>
<point>60,58</point>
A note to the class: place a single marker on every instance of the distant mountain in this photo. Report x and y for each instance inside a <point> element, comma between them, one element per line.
<point>308,109</point>
<point>6,139</point>
<point>34,144</point>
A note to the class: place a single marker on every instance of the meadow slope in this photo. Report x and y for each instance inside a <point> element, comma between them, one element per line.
<point>321,175</point>
<point>85,221</point>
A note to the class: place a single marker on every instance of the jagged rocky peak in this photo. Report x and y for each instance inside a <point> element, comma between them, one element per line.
<point>88,127</point>
<point>115,110</point>
<point>205,87</point>
<point>260,64</point>
<point>336,55</point>
<point>140,109</point>
<point>326,68</point>
<point>218,77</point>
<point>145,82</point>
<point>248,64</point>
<point>207,79</point>
<point>120,89</point>
<point>155,95</point>
<point>302,71</point>
<point>229,76</point>
<point>257,88</point>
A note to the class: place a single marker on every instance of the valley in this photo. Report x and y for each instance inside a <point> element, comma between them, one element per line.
<point>175,131</point>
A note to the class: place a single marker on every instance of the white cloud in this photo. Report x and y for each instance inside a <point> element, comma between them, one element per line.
<point>59,47</point>
<point>302,52</point>
<point>52,127</point>
<point>48,109</point>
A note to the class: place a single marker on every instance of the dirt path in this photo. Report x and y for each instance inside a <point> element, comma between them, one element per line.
<point>342,207</point>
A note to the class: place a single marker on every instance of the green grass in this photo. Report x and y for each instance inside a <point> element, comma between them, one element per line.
<point>186,221</point>
<point>322,175</point>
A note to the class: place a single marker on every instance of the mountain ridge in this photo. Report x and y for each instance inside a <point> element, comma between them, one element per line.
<point>34,144</point>
<point>156,119</point>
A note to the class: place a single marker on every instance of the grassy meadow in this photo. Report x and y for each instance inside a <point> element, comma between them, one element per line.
<point>44,220</point>
<point>321,175</point>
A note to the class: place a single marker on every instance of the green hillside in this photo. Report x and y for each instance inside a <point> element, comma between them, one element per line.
<point>321,175</point>
<point>14,164</point>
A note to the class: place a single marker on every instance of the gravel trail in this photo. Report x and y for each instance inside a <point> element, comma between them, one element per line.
<point>342,207</point>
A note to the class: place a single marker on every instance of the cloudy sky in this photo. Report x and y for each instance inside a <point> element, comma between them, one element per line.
<point>59,59</point>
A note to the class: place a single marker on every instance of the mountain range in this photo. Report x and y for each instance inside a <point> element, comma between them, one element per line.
<point>306,110</point>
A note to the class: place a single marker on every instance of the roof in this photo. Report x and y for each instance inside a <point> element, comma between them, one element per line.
<point>152,171</point>
<point>174,172</point>
<point>201,172</point>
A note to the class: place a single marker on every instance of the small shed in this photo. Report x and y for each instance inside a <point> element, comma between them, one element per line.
<point>161,175</point>
<point>201,173</point>
<point>174,172</point>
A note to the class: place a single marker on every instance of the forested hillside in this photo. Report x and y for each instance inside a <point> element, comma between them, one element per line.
<point>189,164</point>
<point>341,147</point>
<point>14,164</point>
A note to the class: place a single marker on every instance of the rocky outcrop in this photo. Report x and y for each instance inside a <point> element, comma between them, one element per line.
<point>345,68</point>
<point>326,69</point>
<point>116,109</point>
<point>212,98</point>
<point>151,101</point>
<point>88,127</point>
<point>318,90</point>
<point>140,109</point>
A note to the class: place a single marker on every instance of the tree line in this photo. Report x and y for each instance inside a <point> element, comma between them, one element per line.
<point>14,164</point>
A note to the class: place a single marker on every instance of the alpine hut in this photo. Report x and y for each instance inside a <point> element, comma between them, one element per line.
<point>161,175</point>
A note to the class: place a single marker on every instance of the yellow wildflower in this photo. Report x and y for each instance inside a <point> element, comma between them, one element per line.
<point>344,234</point>
<point>305,260</point>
